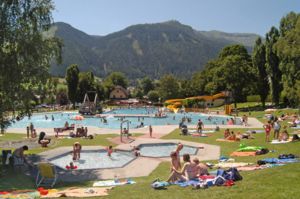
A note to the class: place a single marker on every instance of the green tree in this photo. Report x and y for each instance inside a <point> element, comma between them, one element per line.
<point>25,54</point>
<point>232,70</point>
<point>100,89</point>
<point>259,63</point>
<point>146,85</point>
<point>115,79</point>
<point>86,83</point>
<point>169,87</point>
<point>272,63</point>
<point>72,79</point>
<point>62,97</point>
<point>288,50</point>
<point>153,96</point>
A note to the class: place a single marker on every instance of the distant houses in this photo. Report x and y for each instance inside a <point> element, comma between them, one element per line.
<point>119,93</point>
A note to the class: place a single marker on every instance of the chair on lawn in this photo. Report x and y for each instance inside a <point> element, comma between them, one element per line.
<point>47,175</point>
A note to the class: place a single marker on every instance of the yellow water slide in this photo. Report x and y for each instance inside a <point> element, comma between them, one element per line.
<point>175,104</point>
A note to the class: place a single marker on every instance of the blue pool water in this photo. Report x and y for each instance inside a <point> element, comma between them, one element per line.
<point>40,121</point>
<point>95,160</point>
<point>164,149</point>
<point>98,159</point>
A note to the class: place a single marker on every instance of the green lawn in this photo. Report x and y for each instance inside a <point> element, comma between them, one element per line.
<point>278,182</point>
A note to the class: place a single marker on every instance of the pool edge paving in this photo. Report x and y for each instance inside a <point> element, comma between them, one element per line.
<point>139,167</point>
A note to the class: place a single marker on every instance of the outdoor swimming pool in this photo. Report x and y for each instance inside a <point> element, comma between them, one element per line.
<point>39,120</point>
<point>94,159</point>
<point>98,159</point>
<point>164,149</point>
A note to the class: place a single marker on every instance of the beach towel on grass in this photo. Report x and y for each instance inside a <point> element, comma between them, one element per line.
<point>297,127</point>
<point>200,135</point>
<point>232,164</point>
<point>243,147</point>
<point>256,131</point>
<point>280,161</point>
<point>256,167</point>
<point>109,183</point>
<point>243,153</point>
<point>203,131</point>
<point>27,195</point>
<point>79,192</point>
<point>279,142</point>
<point>187,183</point>
<point>224,140</point>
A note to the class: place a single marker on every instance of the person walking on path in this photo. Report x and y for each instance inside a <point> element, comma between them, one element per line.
<point>150,131</point>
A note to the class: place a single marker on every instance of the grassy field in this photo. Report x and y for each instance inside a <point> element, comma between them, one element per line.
<point>275,183</point>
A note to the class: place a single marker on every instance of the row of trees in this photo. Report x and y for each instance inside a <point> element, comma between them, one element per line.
<point>79,83</point>
<point>277,61</point>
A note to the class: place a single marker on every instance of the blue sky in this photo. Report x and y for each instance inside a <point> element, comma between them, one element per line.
<point>101,17</point>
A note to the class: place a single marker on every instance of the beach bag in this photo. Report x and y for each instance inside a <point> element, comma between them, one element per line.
<point>286,156</point>
<point>295,137</point>
<point>219,181</point>
<point>223,173</point>
<point>233,174</point>
<point>262,151</point>
<point>159,185</point>
<point>261,162</point>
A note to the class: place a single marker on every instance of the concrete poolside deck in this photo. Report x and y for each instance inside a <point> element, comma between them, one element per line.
<point>141,166</point>
<point>157,130</point>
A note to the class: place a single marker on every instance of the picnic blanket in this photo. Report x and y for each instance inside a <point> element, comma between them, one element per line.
<point>231,164</point>
<point>78,192</point>
<point>109,183</point>
<point>243,153</point>
<point>224,140</point>
<point>18,195</point>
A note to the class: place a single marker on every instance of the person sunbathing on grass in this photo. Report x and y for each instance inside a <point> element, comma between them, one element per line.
<point>226,133</point>
<point>202,169</point>
<point>188,171</point>
<point>284,136</point>
<point>232,137</point>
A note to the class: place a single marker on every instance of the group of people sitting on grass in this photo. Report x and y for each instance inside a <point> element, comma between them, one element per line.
<point>190,169</point>
<point>236,136</point>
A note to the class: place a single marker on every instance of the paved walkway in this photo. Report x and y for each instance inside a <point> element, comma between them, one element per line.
<point>158,131</point>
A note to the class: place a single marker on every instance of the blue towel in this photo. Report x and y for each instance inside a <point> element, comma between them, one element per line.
<point>276,160</point>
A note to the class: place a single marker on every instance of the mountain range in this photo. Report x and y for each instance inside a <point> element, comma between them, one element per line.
<point>144,49</point>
